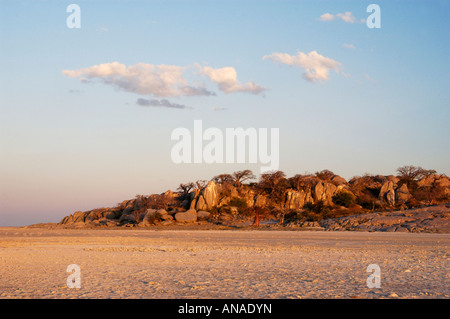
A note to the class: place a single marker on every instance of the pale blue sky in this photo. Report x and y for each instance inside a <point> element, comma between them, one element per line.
<point>67,145</point>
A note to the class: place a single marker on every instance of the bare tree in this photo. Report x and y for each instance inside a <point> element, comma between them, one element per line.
<point>274,185</point>
<point>410,172</point>
<point>185,188</point>
<point>325,174</point>
<point>201,183</point>
<point>223,178</point>
<point>242,176</point>
<point>302,182</point>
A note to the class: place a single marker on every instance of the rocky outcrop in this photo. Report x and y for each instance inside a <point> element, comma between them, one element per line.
<point>215,201</point>
<point>429,219</point>
<point>297,199</point>
<point>77,217</point>
<point>436,180</point>
<point>189,216</point>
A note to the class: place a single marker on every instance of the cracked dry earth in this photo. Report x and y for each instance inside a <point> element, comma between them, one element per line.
<point>142,263</point>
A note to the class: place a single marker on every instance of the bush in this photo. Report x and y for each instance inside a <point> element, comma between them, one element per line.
<point>325,175</point>
<point>368,201</point>
<point>239,203</point>
<point>344,198</point>
<point>318,207</point>
<point>432,194</point>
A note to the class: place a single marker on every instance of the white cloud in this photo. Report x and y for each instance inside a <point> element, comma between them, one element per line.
<point>157,80</point>
<point>327,17</point>
<point>162,80</point>
<point>226,79</point>
<point>316,66</point>
<point>346,17</point>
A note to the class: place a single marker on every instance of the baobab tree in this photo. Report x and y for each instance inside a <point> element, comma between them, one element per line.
<point>273,184</point>
<point>410,175</point>
<point>185,188</point>
<point>242,176</point>
<point>223,179</point>
<point>410,172</point>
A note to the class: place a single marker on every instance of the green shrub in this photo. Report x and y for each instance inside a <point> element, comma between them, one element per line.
<point>344,198</point>
<point>319,207</point>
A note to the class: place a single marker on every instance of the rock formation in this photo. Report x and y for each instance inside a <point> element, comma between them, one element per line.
<point>324,191</point>
<point>387,193</point>
<point>217,202</point>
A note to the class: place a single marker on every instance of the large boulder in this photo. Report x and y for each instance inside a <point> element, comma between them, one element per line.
<point>324,191</point>
<point>201,204</point>
<point>402,194</point>
<point>150,216</point>
<point>393,179</point>
<point>170,194</point>
<point>259,200</point>
<point>387,193</point>
<point>77,217</point>
<point>161,212</point>
<point>444,182</point>
<point>127,219</point>
<point>296,199</point>
<point>428,180</point>
<point>338,180</point>
<point>193,197</point>
<point>97,214</point>
<point>112,215</point>
<point>189,216</point>
<point>166,217</point>
<point>203,215</point>
<point>209,197</point>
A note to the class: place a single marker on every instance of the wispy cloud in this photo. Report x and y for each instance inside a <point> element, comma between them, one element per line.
<point>316,66</point>
<point>368,78</point>
<point>160,103</point>
<point>348,46</point>
<point>346,17</point>
<point>216,108</point>
<point>226,79</point>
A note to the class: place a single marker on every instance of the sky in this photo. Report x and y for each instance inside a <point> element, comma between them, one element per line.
<point>86,114</point>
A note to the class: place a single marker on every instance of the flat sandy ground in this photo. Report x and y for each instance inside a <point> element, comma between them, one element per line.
<point>142,263</point>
